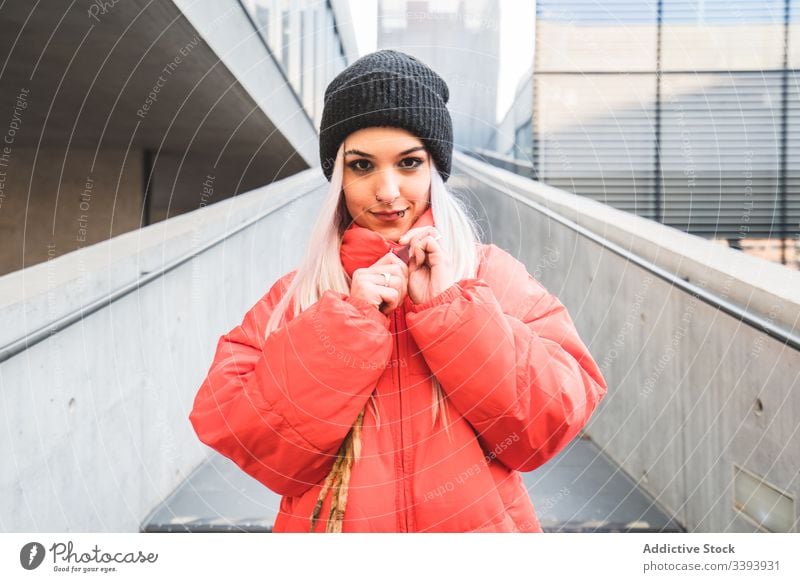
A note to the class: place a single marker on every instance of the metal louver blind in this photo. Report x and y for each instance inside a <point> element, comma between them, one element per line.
<point>701,149</point>
<point>720,153</point>
<point>793,155</point>
<point>603,152</point>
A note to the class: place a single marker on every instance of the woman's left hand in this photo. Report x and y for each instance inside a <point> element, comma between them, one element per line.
<point>430,270</point>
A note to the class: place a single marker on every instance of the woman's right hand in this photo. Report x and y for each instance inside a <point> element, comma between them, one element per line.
<point>385,293</point>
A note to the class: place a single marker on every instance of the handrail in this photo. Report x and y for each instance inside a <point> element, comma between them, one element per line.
<point>479,154</point>
<point>20,345</point>
<point>755,321</point>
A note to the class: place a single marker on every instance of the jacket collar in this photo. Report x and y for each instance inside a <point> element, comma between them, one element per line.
<point>361,247</point>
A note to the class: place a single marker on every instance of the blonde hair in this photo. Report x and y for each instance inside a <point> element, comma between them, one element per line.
<point>321,270</point>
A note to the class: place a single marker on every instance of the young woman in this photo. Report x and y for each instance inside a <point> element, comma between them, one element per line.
<point>402,377</point>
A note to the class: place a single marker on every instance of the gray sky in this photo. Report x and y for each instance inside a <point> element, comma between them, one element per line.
<point>516,40</point>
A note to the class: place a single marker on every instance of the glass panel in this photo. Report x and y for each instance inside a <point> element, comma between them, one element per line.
<point>722,35</point>
<point>262,18</point>
<point>393,15</point>
<point>302,41</point>
<point>285,37</point>
<point>317,64</point>
<point>720,144</point>
<point>794,34</point>
<point>596,35</point>
<point>523,142</point>
<point>793,161</point>
<point>762,502</point>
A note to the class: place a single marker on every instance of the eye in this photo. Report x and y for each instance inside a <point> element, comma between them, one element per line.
<point>361,165</point>
<point>411,163</point>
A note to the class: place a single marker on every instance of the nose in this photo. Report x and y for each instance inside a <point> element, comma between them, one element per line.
<point>387,189</point>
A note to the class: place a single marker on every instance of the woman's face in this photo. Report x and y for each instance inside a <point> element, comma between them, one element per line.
<point>386,180</point>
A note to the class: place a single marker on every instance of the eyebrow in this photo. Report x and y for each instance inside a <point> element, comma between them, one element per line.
<point>366,155</point>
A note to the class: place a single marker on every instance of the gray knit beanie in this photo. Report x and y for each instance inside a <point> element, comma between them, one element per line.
<point>387,88</point>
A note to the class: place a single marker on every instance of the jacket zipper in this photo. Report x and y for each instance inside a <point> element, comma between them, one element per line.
<point>401,452</point>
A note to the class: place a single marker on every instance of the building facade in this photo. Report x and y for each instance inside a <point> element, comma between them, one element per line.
<point>680,111</point>
<point>460,40</point>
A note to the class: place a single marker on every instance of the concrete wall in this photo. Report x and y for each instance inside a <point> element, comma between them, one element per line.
<point>692,391</point>
<point>57,200</point>
<point>186,181</point>
<point>96,415</point>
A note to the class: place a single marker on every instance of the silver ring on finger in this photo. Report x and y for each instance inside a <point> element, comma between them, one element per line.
<point>387,278</point>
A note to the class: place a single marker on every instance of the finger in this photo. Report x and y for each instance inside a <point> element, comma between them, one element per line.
<point>412,234</point>
<point>390,296</point>
<point>400,267</point>
<point>432,246</point>
<point>418,232</point>
<point>395,266</point>
<point>397,281</point>
<point>407,237</point>
<point>391,263</point>
<point>429,233</point>
<point>413,266</point>
<point>380,280</point>
<point>421,249</point>
<point>397,270</point>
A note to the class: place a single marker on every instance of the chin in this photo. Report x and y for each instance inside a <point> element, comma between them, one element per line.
<point>390,233</point>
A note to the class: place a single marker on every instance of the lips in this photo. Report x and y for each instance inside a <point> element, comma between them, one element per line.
<point>393,215</point>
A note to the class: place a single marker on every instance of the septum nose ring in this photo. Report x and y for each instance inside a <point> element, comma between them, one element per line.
<point>390,202</point>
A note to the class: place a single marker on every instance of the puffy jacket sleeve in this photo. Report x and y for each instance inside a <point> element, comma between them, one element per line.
<point>510,359</point>
<point>281,407</point>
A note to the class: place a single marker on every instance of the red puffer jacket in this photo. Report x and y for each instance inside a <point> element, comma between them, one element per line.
<point>519,386</point>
